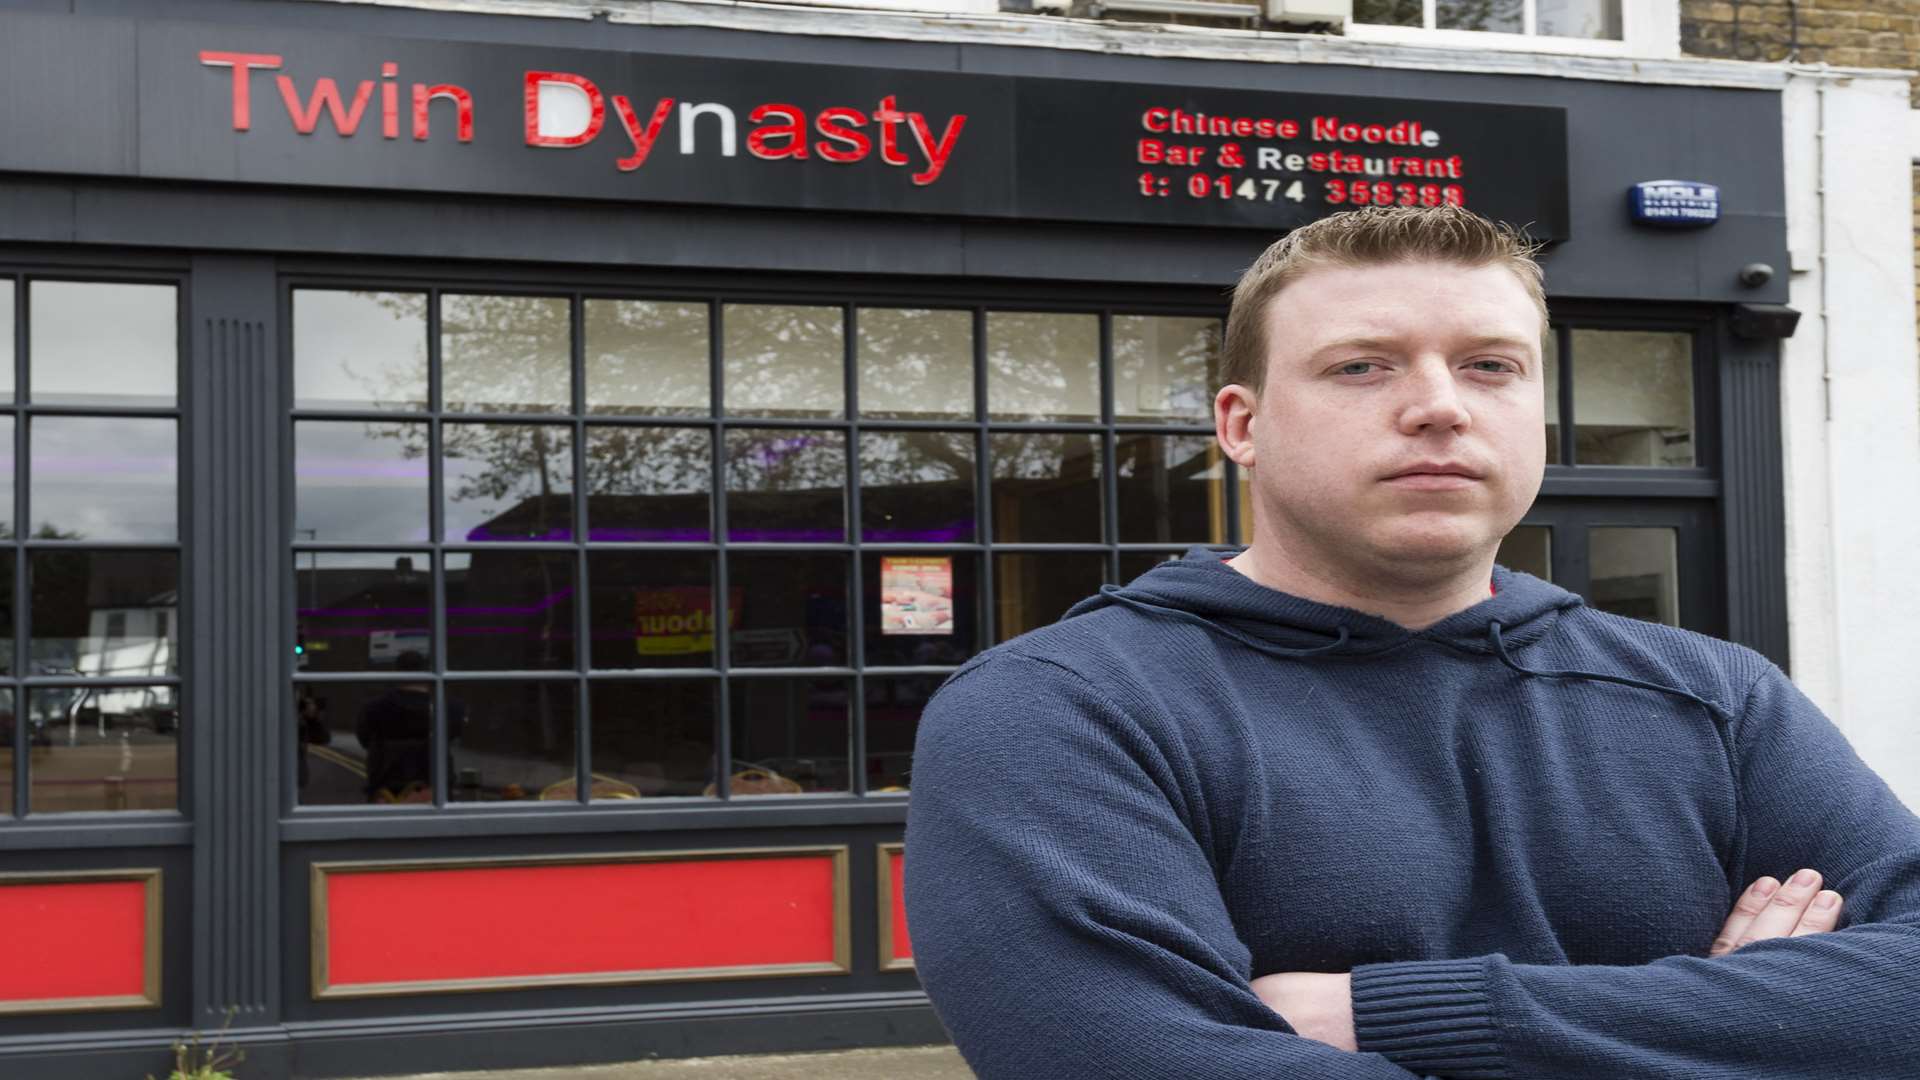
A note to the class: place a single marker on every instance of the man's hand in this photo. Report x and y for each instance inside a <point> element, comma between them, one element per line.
<point>1316,1006</point>
<point>1769,909</point>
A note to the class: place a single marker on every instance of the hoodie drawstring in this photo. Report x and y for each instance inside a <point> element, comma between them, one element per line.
<point>1118,596</point>
<point>1718,712</point>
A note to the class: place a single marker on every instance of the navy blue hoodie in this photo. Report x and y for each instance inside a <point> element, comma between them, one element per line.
<point>1519,828</point>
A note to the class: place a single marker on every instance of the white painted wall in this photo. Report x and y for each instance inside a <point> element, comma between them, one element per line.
<point>1851,414</point>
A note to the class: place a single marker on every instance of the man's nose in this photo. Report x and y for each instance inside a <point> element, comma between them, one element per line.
<point>1432,398</point>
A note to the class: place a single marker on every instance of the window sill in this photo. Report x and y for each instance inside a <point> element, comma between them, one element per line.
<point>131,829</point>
<point>313,826</point>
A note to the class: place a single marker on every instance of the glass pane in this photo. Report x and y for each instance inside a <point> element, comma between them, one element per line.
<point>6,377</point>
<point>1635,573</point>
<point>100,478</point>
<point>916,487</point>
<point>110,748</point>
<point>790,610</point>
<point>1528,549</point>
<point>1633,397</point>
<point>97,343</point>
<point>1500,16</point>
<point>648,358</point>
<point>893,722</point>
<point>36,737</point>
<point>1164,368</point>
<point>1046,487</point>
<point>506,354</point>
<point>507,482</point>
<point>652,609</point>
<point>916,364</point>
<point>785,361</point>
<point>6,476</point>
<point>786,485</point>
<point>1135,563</point>
<point>511,740</point>
<point>1043,367</point>
<point>1388,12</point>
<point>359,481</point>
<point>509,610</point>
<point>649,484</point>
<point>6,626</point>
<point>1550,375</point>
<point>1033,590</point>
<point>363,610</point>
<point>365,742</point>
<point>1580,18</point>
<point>653,738</point>
<point>790,736</point>
<point>1172,488</point>
<point>359,350</point>
<point>105,613</point>
<point>920,609</point>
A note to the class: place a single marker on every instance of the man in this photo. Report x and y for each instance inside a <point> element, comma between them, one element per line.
<point>1357,803</point>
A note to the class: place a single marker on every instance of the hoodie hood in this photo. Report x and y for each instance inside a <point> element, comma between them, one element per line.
<point>1202,585</point>
<point>1200,588</point>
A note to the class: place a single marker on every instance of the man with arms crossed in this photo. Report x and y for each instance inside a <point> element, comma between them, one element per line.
<point>1356,803</point>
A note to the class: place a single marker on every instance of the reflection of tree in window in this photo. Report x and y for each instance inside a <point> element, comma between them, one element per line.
<point>915,363</point>
<point>784,361</point>
<point>1164,368</point>
<point>1500,16</point>
<point>648,358</point>
<point>506,353</point>
<point>1043,366</point>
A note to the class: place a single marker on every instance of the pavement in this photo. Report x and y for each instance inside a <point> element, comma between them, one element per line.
<point>891,1063</point>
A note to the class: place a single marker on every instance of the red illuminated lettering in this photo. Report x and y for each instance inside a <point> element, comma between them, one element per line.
<point>462,104</point>
<point>241,63</point>
<point>642,136</point>
<point>794,131</point>
<point>389,102</point>
<point>937,151</point>
<point>596,108</point>
<point>1154,120</point>
<point>326,92</point>
<point>838,125</point>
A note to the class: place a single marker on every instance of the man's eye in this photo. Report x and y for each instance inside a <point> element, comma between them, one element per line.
<point>1358,367</point>
<point>1492,365</point>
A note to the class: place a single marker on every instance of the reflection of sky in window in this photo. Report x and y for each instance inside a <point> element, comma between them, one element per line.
<point>354,482</point>
<point>359,350</point>
<point>6,341</point>
<point>100,478</point>
<point>90,336</point>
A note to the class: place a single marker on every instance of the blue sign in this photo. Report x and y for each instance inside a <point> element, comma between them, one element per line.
<point>1675,203</point>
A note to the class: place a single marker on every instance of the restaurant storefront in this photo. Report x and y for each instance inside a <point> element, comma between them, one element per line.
<point>490,496</point>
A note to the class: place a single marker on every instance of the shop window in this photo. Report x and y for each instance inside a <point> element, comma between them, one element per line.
<point>359,349</point>
<point>1528,549</point>
<point>648,358</point>
<point>915,364</point>
<point>1633,398</point>
<point>531,554</point>
<point>1636,572</point>
<point>92,553</point>
<point>1043,366</point>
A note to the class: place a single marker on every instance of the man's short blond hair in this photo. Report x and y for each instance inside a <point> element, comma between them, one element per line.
<point>1372,236</point>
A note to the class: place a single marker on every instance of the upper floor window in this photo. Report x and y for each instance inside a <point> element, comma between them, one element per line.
<point>1639,28</point>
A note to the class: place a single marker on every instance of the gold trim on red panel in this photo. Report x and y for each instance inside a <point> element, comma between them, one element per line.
<point>841,964</point>
<point>884,854</point>
<point>149,996</point>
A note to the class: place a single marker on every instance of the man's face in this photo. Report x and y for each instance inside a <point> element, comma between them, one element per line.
<point>1400,431</point>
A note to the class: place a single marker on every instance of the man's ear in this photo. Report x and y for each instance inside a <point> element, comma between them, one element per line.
<point>1233,415</point>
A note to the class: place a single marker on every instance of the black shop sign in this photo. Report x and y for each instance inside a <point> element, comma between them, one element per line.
<point>262,106</point>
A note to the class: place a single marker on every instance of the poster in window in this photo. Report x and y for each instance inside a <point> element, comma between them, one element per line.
<point>916,594</point>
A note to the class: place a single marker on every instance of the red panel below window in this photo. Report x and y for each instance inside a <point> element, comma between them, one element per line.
<point>72,940</point>
<point>902,945</point>
<point>578,919</point>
